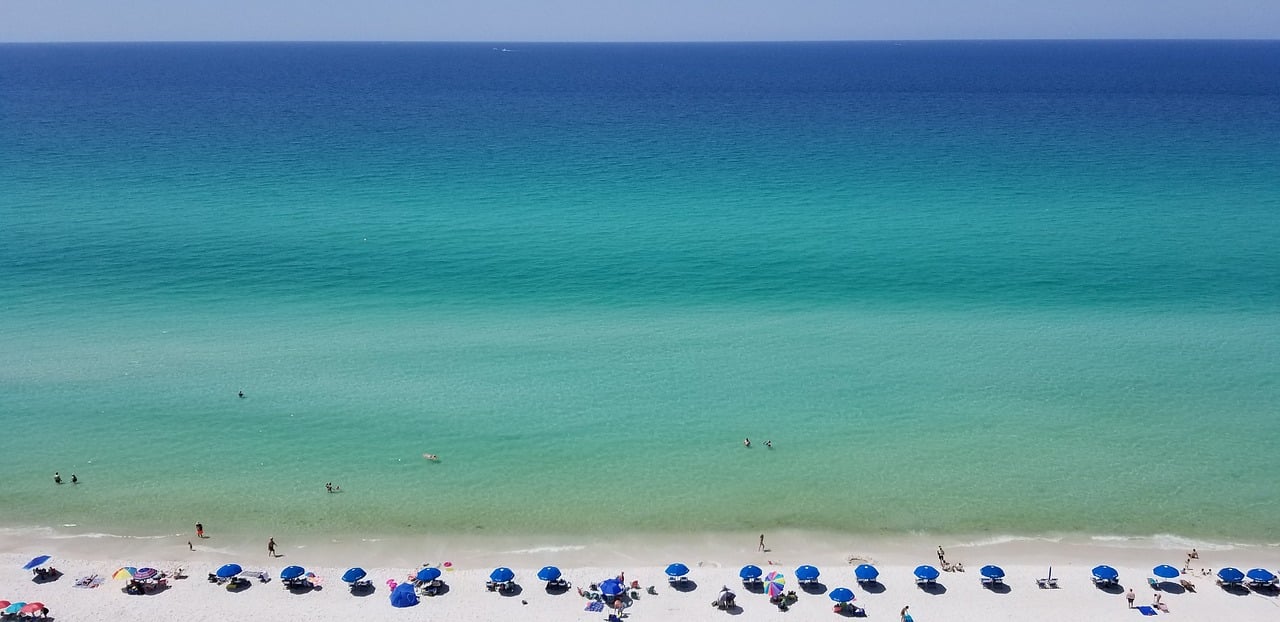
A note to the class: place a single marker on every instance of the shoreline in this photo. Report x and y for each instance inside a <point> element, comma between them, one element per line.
<point>628,547</point>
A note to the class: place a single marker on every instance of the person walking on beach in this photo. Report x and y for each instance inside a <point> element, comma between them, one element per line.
<point>942,557</point>
<point>906,617</point>
<point>190,546</point>
<point>200,530</point>
<point>1129,596</point>
<point>762,542</point>
<point>271,546</point>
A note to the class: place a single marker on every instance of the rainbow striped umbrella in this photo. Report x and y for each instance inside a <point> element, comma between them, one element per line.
<point>775,583</point>
<point>125,573</point>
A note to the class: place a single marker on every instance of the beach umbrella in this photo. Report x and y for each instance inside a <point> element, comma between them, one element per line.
<point>841,595</point>
<point>292,572</point>
<point>992,572</point>
<point>353,574</point>
<point>1165,571</point>
<point>3,604</point>
<point>548,573</point>
<point>14,608</point>
<point>677,570</point>
<point>807,573</point>
<point>31,608</point>
<point>928,573</point>
<point>144,574</point>
<point>866,572</point>
<point>751,571</point>
<point>228,571</point>
<point>501,574</point>
<point>611,587</point>
<point>1105,573</point>
<point>37,562</point>
<point>1261,575</point>
<point>404,596</point>
<point>775,583</point>
<point>1231,575</point>
<point>124,573</point>
<point>430,573</point>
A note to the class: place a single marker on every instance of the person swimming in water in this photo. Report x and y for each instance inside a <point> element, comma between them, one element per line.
<point>431,457</point>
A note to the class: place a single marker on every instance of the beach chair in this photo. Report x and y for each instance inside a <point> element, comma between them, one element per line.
<point>1155,585</point>
<point>1047,583</point>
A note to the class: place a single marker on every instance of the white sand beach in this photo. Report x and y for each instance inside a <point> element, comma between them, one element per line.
<point>714,562</point>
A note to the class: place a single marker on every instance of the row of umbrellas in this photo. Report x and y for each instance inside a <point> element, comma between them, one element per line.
<point>1165,571</point>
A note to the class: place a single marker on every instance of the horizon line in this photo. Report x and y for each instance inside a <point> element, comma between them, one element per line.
<point>644,41</point>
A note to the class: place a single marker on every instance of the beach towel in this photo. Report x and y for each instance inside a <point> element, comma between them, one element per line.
<point>89,581</point>
<point>594,606</point>
<point>1146,611</point>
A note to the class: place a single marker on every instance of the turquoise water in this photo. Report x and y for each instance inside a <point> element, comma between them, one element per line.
<point>1009,288</point>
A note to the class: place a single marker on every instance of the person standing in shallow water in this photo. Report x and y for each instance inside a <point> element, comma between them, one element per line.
<point>57,478</point>
<point>199,530</point>
<point>271,546</point>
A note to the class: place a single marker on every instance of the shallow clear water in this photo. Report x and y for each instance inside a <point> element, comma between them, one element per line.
<point>965,287</point>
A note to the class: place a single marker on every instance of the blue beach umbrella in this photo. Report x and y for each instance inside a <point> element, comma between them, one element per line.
<point>992,572</point>
<point>928,573</point>
<point>1231,575</point>
<point>1165,571</point>
<point>841,594</point>
<point>1105,573</point>
<point>353,574</point>
<point>430,573</point>
<point>292,572</point>
<point>14,608</point>
<point>404,596</point>
<point>611,587</point>
<point>37,562</point>
<point>807,573</point>
<point>750,571</point>
<point>1261,575</point>
<point>866,572</point>
<point>677,570</point>
<point>502,574</point>
<point>228,571</point>
<point>548,573</point>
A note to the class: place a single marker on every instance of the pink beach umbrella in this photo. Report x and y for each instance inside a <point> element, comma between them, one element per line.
<point>32,608</point>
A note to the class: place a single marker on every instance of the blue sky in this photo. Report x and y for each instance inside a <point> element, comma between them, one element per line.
<point>631,20</point>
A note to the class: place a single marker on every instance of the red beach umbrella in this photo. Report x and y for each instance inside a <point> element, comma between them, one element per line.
<point>4,603</point>
<point>32,608</point>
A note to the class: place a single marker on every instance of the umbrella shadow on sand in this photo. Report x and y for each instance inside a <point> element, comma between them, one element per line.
<point>687,585</point>
<point>934,588</point>
<point>1113,587</point>
<point>872,587</point>
<point>813,587</point>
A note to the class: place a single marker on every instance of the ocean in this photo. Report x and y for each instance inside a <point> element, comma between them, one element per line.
<point>961,287</point>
